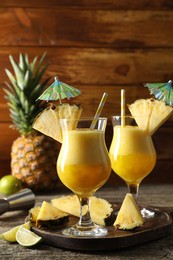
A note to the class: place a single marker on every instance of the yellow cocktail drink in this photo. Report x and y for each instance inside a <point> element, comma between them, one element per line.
<point>83,166</point>
<point>83,163</point>
<point>132,153</point>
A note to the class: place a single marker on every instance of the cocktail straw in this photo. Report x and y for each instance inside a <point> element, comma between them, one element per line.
<point>122,107</point>
<point>99,110</point>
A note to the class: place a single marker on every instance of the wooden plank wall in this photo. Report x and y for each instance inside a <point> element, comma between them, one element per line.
<point>96,46</point>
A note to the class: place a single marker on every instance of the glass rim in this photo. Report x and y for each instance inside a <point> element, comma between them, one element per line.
<point>126,116</point>
<point>83,119</point>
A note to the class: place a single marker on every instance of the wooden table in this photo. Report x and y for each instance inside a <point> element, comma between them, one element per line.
<point>155,195</point>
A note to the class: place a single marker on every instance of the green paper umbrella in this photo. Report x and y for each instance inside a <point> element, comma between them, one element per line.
<point>162,91</point>
<point>58,91</point>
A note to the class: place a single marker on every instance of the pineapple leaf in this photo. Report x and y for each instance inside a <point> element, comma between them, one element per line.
<point>24,88</point>
<point>22,98</point>
<point>42,86</point>
<point>9,94</point>
<point>26,79</point>
<point>18,72</point>
<point>32,65</point>
<point>21,114</point>
<point>14,114</point>
<point>26,60</point>
<point>38,90</point>
<point>12,106</point>
<point>12,100</point>
<point>38,72</point>
<point>14,83</point>
<point>42,60</point>
<point>10,76</point>
<point>35,92</point>
<point>22,62</point>
<point>39,75</point>
<point>32,108</point>
<point>26,106</point>
<point>12,91</point>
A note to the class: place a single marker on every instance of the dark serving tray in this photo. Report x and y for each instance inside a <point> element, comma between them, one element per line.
<point>158,226</point>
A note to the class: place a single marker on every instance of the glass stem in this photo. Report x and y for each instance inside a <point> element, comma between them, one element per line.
<point>85,220</point>
<point>133,189</point>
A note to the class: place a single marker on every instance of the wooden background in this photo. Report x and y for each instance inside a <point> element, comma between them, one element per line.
<point>96,46</point>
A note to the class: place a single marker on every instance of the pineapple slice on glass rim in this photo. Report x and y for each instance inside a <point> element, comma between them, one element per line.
<point>47,122</point>
<point>150,114</point>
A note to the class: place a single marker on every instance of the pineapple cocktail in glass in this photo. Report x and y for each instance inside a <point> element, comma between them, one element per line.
<point>84,166</point>
<point>132,152</point>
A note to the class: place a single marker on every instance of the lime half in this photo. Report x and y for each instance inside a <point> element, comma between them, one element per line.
<point>27,238</point>
<point>10,235</point>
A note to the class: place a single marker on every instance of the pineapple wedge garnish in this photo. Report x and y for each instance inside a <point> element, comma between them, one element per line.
<point>49,215</point>
<point>160,113</point>
<point>129,215</point>
<point>47,122</point>
<point>150,114</point>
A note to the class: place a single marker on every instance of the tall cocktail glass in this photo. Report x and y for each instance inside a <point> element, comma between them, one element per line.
<point>132,154</point>
<point>84,166</point>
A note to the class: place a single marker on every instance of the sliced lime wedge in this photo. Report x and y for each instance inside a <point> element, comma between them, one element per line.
<point>27,238</point>
<point>10,235</point>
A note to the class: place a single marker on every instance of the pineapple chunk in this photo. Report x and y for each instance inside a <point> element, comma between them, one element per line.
<point>49,215</point>
<point>47,122</point>
<point>100,209</point>
<point>129,215</point>
<point>33,214</point>
<point>150,114</point>
<point>69,204</point>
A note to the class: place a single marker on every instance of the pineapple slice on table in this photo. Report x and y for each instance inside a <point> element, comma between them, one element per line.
<point>69,204</point>
<point>33,213</point>
<point>47,122</point>
<point>50,216</point>
<point>33,155</point>
<point>100,209</point>
<point>129,215</point>
<point>150,114</point>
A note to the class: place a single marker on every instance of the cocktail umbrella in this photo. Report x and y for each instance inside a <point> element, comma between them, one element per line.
<point>59,90</point>
<point>162,91</point>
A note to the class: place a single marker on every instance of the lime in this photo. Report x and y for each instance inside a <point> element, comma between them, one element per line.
<point>10,235</point>
<point>9,184</point>
<point>27,238</point>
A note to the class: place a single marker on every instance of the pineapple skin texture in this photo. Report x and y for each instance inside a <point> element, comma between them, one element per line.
<point>33,161</point>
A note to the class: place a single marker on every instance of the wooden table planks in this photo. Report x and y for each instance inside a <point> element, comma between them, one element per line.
<point>155,195</point>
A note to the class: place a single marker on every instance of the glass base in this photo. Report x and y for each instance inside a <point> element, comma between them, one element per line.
<point>147,213</point>
<point>92,231</point>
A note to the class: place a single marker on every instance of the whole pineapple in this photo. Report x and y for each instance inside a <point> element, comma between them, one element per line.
<point>33,155</point>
